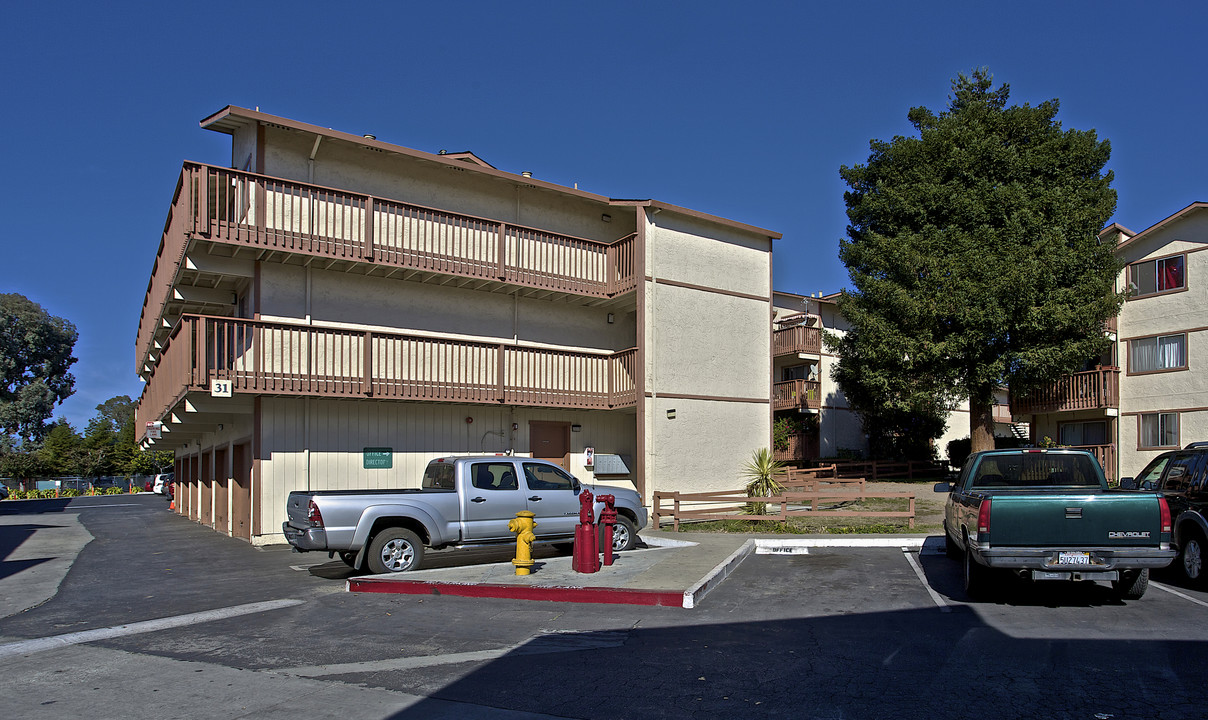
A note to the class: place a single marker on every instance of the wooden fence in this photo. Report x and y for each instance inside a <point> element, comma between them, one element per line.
<point>729,504</point>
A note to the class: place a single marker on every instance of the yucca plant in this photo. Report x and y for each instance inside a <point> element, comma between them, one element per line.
<point>762,473</point>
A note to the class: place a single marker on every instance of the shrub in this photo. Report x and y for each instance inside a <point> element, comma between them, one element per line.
<point>70,492</point>
<point>114,491</point>
<point>763,474</point>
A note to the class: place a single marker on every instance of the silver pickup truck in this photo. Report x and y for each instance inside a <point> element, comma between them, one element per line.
<point>463,502</point>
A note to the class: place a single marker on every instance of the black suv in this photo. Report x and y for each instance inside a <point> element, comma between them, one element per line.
<point>1182,476</point>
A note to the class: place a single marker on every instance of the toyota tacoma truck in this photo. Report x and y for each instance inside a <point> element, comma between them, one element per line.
<point>463,502</point>
<point>1049,515</point>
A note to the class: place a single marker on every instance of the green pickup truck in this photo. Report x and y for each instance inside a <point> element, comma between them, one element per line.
<point>1049,515</point>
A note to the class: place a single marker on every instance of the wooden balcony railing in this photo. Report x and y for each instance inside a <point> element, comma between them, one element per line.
<point>284,359</point>
<point>1105,454</point>
<point>797,395</point>
<point>1091,390</point>
<point>796,339</point>
<point>241,208</point>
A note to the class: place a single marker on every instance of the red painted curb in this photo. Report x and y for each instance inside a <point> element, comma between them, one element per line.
<point>616,596</point>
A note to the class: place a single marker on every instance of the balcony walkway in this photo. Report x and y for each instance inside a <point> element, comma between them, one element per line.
<point>1091,390</point>
<point>270,358</point>
<point>276,215</point>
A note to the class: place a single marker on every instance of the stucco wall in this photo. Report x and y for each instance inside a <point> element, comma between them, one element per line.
<point>694,251</point>
<point>432,184</point>
<point>1183,391</point>
<point>339,299</point>
<point>318,444</point>
<point>704,447</point>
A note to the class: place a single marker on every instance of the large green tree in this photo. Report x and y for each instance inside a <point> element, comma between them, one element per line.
<point>35,355</point>
<point>973,254</point>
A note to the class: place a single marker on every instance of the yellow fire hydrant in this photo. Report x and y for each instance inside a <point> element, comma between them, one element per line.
<point>523,525</point>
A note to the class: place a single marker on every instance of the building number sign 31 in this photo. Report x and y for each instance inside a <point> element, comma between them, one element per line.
<point>220,388</point>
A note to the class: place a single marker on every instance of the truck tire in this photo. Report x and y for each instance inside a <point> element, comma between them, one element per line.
<point>977,576</point>
<point>624,534</point>
<point>1131,585</point>
<point>950,548</point>
<point>1191,558</point>
<point>395,550</point>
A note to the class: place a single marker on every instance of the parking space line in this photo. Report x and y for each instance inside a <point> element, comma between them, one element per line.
<point>918,570</point>
<point>1172,591</point>
<point>29,647</point>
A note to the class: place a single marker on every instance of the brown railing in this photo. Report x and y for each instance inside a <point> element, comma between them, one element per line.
<point>796,395</point>
<point>1091,390</point>
<point>730,505</point>
<point>243,208</point>
<point>1105,454</point>
<point>796,339</point>
<point>284,359</point>
<point>801,448</point>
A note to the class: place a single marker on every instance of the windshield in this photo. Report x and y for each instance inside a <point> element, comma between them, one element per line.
<point>1029,470</point>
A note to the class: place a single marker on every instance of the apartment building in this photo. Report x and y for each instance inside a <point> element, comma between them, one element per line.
<point>1144,395</point>
<point>328,310</point>
<point>804,389</point>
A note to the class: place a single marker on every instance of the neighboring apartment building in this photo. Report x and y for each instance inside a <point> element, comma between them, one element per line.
<point>333,311</point>
<point>1145,395</point>
<point>805,389</point>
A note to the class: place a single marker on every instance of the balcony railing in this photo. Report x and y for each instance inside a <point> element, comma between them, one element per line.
<point>796,395</point>
<point>1091,390</point>
<point>241,208</point>
<point>796,339</point>
<point>283,359</point>
<point>1105,454</point>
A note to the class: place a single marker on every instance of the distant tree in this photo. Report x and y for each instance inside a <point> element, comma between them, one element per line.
<point>22,464</point>
<point>973,254</point>
<point>35,355</point>
<point>61,450</point>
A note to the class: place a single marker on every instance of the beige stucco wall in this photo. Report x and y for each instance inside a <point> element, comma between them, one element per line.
<point>433,184</point>
<point>1184,391</point>
<point>704,447</point>
<point>318,444</point>
<point>343,300</point>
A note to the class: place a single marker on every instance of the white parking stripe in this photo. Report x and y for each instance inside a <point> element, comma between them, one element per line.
<point>918,570</point>
<point>29,647</point>
<point>1172,591</point>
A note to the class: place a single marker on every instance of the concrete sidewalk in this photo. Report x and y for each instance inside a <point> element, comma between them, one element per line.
<point>675,569</point>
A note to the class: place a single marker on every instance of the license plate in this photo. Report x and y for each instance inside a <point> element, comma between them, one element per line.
<point>1074,558</point>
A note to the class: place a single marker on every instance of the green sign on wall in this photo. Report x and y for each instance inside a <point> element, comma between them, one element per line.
<point>380,458</point>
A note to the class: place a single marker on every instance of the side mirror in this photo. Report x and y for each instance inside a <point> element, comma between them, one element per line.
<point>943,487</point>
<point>1149,485</point>
<point>1128,484</point>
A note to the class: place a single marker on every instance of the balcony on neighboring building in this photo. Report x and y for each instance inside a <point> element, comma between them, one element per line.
<point>273,358</point>
<point>797,395</point>
<point>1091,390</point>
<point>272,218</point>
<point>796,339</point>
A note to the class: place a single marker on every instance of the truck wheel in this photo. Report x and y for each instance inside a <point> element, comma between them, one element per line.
<point>1191,558</point>
<point>950,548</point>
<point>977,576</point>
<point>1131,585</point>
<point>395,550</point>
<point>624,534</point>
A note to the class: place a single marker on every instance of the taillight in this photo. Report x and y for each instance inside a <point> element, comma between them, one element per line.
<point>313,515</point>
<point>983,516</point>
<point>1165,509</point>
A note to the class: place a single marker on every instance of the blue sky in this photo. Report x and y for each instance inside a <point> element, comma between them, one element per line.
<point>743,110</point>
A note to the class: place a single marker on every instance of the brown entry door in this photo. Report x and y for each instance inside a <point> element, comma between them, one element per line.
<point>550,441</point>
<point>241,498</point>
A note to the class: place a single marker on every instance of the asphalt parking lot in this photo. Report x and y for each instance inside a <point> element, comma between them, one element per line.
<point>153,616</point>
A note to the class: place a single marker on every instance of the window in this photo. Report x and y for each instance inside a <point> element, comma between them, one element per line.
<point>1084,433</point>
<point>1156,276</point>
<point>1159,430</point>
<point>493,476</point>
<point>547,477</point>
<point>1164,352</point>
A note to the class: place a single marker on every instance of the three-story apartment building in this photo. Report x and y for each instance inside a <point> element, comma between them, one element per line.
<point>1145,394</point>
<point>333,311</point>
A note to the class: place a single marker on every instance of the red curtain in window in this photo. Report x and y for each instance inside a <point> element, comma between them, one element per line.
<point>1170,274</point>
